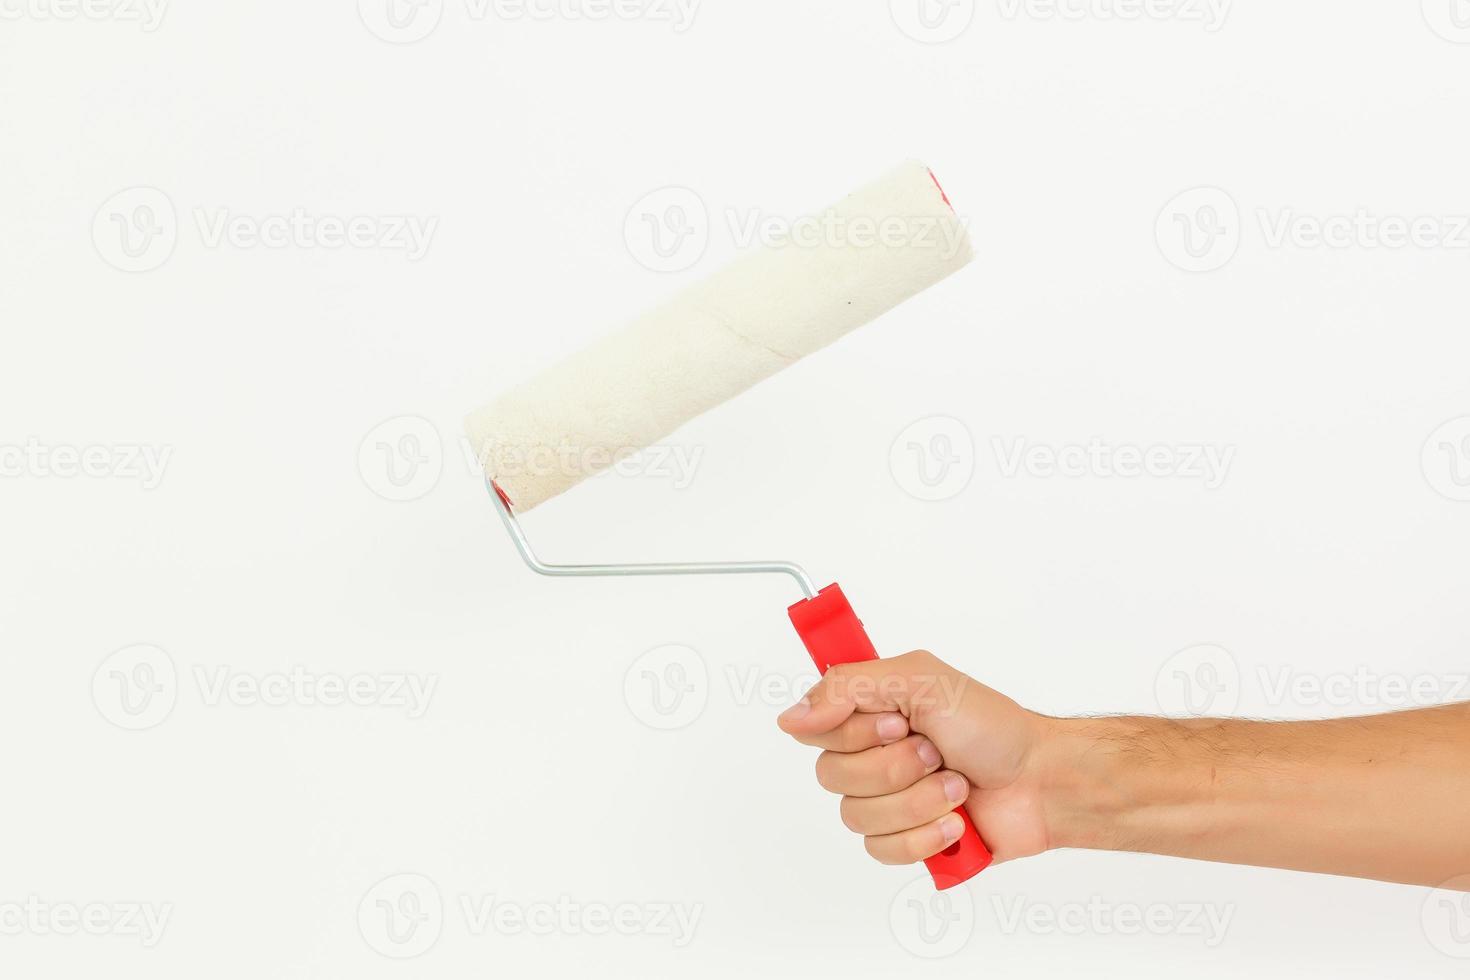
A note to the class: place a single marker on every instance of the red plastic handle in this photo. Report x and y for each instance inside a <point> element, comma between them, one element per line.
<point>833,634</point>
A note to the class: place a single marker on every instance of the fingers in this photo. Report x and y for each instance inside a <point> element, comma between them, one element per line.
<point>870,686</point>
<point>860,731</point>
<point>878,771</point>
<point>923,802</point>
<point>866,717</point>
<point>918,843</point>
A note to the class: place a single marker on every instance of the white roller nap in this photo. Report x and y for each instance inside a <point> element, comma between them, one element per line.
<point>860,258</point>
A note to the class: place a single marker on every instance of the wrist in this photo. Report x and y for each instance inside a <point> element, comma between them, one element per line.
<point>1072,766</point>
<point>1114,783</point>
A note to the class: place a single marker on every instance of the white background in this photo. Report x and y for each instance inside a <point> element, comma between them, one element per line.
<point>1332,552</point>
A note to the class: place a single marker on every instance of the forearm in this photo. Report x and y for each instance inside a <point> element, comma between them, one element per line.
<point>1385,796</point>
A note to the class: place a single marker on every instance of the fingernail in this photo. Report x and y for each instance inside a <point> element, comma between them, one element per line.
<point>928,754</point>
<point>797,710</point>
<point>891,728</point>
<point>951,826</point>
<point>954,786</point>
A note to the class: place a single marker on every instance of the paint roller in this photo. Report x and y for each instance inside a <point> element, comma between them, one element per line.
<point>874,249</point>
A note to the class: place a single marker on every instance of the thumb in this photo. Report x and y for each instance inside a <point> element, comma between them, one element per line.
<point>871,685</point>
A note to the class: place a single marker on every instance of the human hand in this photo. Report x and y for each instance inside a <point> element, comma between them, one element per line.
<point>908,739</point>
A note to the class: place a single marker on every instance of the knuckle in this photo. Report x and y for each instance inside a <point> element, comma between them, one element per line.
<point>915,847</point>
<point>900,771</point>
<point>826,764</point>
<point>850,818</point>
<point>836,676</point>
<point>919,807</point>
<point>920,658</point>
<point>876,850</point>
